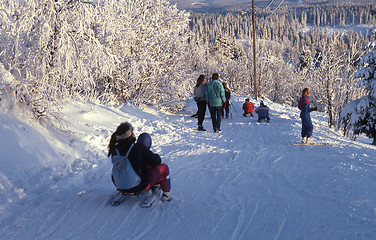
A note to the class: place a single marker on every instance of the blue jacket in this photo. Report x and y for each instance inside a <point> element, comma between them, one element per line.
<point>215,94</point>
<point>262,112</point>
<point>305,109</point>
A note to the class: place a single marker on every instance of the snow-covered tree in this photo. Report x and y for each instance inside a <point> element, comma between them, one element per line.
<point>305,60</point>
<point>114,51</point>
<point>149,38</point>
<point>55,48</point>
<point>360,114</point>
<point>12,91</point>
<point>327,81</point>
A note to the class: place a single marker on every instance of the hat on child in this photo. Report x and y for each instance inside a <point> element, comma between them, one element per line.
<point>145,140</point>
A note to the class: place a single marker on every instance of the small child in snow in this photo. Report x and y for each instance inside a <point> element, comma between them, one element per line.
<point>305,109</point>
<point>263,113</point>
<point>248,108</point>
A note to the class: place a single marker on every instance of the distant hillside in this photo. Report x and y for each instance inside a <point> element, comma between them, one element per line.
<point>202,6</point>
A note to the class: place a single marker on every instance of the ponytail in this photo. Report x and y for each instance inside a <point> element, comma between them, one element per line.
<point>112,144</point>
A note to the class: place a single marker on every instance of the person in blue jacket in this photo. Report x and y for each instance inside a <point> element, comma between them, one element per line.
<point>262,113</point>
<point>305,109</point>
<point>215,96</point>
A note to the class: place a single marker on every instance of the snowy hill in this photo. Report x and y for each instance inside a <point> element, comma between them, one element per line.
<point>248,182</point>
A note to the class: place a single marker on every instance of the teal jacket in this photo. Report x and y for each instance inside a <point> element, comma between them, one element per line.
<point>215,94</point>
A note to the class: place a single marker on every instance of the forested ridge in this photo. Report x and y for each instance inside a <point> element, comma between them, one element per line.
<point>150,53</point>
<point>297,47</point>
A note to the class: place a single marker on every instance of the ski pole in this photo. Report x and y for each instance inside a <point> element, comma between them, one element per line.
<point>234,109</point>
<point>230,108</point>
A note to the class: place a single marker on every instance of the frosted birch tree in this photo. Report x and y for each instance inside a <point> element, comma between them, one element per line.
<point>149,38</point>
<point>112,51</point>
<point>57,52</point>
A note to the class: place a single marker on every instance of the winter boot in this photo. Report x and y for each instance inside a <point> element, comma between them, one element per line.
<point>201,128</point>
<point>166,196</point>
<point>309,140</point>
<point>304,139</point>
<point>156,188</point>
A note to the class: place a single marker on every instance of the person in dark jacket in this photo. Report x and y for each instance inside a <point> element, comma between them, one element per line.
<point>226,104</point>
<point>215,96</point>
<point>305,109</point>
<point>144,162</point>
<point>200,98</point>
<point>263,113</point>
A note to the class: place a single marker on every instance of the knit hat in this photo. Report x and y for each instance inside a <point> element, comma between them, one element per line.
<point>144,139</point>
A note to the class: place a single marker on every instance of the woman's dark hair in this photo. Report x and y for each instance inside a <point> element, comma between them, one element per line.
<point>200,80</point>
<point>120,130</point>
<point>215,76</point>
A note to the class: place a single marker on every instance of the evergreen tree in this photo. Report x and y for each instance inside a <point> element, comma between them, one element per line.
<point>360,114</point>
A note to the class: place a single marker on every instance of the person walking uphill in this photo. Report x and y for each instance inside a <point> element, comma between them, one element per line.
<point>146,164</point>
<point>200,98</point>
<point>215,96</point>
<point>305,109</point>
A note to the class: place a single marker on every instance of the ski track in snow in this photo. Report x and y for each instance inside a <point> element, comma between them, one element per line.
<point>245,183</point>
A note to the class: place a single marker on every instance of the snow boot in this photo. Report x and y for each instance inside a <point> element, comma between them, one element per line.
<point>166,196</point>
<point>156,188</point>
<point>201,128</point>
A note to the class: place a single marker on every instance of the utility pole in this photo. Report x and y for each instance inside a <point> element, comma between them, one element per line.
<point>254,48</point>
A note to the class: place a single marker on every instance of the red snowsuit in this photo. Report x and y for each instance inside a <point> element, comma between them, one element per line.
<point>248,107</point>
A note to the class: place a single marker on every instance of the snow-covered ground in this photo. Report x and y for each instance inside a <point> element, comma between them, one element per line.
<point>248,182</point>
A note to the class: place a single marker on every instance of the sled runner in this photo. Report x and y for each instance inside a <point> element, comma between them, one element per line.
<point>310,144</point>
<point>146,201</point>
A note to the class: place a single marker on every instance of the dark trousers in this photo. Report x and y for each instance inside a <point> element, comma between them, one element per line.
<point>216,113</point>
<point>201,106</point>
<point>263,119</point>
